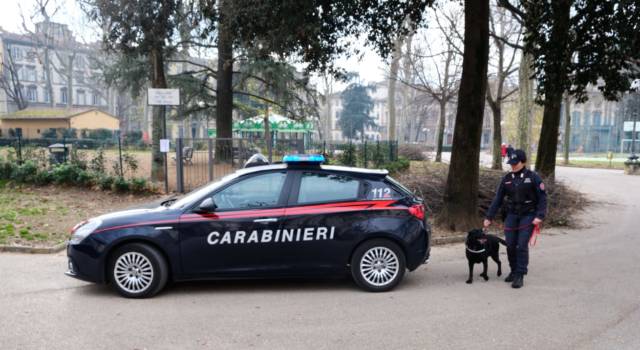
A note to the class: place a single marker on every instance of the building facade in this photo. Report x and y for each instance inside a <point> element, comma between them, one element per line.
<point>597,125</point>
<point>51,56</point>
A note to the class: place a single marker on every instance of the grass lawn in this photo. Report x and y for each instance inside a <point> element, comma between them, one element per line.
<point>43,216</point>
<point>590,163</point>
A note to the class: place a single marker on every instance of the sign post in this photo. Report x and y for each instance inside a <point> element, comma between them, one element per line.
<point>164,97</point>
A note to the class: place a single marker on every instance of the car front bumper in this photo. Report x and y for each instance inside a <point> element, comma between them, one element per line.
<point>85,263</point>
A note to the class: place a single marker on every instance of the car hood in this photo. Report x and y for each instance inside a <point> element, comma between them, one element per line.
<point>136,216</point>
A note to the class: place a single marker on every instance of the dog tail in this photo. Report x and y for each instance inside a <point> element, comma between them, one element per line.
<point>504,243</point>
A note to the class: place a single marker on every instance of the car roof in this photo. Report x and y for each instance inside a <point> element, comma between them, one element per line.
<point>332,168</point>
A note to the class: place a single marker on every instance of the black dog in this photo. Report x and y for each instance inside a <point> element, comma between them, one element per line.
<point>479,247</point>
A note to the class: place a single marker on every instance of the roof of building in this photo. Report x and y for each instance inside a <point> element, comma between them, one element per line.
<point>48,113</point>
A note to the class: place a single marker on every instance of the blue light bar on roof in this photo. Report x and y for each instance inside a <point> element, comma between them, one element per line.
<point>303,158</point>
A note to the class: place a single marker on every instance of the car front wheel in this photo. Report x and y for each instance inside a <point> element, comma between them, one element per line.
<point>378,265</point>
<point>138,271</point>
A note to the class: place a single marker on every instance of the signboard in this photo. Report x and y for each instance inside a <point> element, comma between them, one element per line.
<point>628,126</point>
<point>163,97</point>
<point>212,132</point>
<point>164,145</point>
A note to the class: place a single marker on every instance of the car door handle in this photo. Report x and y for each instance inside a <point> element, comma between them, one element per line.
<point>266,220</point>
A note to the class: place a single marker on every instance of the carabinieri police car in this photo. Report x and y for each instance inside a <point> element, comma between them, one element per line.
<point>298,218</point>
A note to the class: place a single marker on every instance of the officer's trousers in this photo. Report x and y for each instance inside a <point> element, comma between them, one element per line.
<point>517,231</point>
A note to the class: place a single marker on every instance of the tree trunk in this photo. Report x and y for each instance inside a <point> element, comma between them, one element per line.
<point>525,104</point>
<point>555,71</point>
<point>47,76</point>
<point>393,78</point>
<point>158,81</point>
<point>224,94</point>
<point>460,212</point>
<point>567,128</point>
<point>442,120</point>
<point>404,134</point>
<point>496,110</point>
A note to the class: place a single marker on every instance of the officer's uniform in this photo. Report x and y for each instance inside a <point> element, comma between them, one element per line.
<point>524,198</point>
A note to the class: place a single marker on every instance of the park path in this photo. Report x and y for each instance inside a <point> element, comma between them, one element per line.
<point>582,293</point>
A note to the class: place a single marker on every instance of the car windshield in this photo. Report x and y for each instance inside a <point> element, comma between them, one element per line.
<point>200,192</point>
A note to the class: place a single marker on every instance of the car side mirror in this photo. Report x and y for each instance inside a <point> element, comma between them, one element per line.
<point>207,206</point>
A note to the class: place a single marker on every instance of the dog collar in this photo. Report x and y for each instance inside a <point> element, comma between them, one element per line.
<point>476,251</point>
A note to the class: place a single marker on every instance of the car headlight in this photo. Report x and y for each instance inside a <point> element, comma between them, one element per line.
<point>82,230</point>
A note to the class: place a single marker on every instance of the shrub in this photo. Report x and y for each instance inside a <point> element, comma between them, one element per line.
<point>121,185</point>
<point>50,133</point>
<point>96,164</point>
<point>66,174</point>
<point>25,173</point>
<point>138,185</point>
<point>412,152</point>
<point>400,165</point>
<point>85,178</point>
<point>349,157</point>
<point>6,168</point>
<point>43,177</point>
<point>105,182</point>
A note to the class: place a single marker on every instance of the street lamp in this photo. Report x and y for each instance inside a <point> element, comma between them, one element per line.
<point>635,86</point>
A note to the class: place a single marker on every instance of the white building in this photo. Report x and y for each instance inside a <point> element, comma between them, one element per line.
<point>26,53</point>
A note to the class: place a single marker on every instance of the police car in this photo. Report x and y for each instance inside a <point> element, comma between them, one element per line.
<point>299,218</point>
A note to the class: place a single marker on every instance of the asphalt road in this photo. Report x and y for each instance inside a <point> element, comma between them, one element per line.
<point>582,292</point>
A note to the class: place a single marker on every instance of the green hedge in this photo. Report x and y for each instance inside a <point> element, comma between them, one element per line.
<point>68,174</point>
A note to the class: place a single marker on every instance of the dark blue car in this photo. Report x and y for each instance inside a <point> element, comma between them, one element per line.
<point>295,219</point>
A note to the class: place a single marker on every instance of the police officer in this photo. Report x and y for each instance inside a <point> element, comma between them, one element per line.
<point>522,193</point>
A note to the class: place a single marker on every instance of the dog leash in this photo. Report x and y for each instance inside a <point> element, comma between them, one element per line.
<point>534,234</point>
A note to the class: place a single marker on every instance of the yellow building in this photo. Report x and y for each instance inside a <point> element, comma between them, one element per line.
<point>32,122</point>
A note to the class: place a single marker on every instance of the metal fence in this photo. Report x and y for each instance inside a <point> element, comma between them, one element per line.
<point>206,160</point>
<point>190,163</point>
<point>117,156</point>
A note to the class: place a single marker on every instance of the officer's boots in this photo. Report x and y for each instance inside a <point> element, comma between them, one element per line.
<point>510,278</point>
<point>518,281</point>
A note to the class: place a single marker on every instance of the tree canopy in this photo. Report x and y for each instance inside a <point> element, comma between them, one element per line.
<point>356,110</point>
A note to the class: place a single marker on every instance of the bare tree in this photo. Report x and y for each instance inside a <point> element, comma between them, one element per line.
<point>437,73</point>
<point>43,41</point>
<point>503,29</point>
<point>10,82</point>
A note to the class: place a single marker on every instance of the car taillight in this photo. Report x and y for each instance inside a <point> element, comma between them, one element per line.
<point>417,210</point>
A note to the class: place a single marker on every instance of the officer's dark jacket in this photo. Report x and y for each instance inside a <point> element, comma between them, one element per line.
<point>523,193</point>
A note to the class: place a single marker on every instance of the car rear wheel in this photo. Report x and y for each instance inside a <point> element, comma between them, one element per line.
<point>138,271</point>
<point>378,265</point>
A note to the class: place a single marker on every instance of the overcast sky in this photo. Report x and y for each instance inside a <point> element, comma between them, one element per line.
<point>370,67</point>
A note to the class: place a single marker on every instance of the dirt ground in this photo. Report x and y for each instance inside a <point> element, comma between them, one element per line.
<point>43,216</point>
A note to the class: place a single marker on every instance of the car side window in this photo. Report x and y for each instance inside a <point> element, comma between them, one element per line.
<point>380,190</point>
<point>258,191</point>
<point>326,187</point>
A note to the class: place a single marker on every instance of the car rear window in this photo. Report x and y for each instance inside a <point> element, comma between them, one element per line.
<point>381,190</point>
<point>327,187</point>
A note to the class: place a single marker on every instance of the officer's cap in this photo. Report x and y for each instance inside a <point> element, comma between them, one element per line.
<point>514,157</point>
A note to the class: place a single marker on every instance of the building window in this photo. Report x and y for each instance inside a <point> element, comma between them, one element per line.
<point>16,53</point>
<point>47,95</point>
<point>81,98</point>
<point>79,77</point>
<point>32,93</point>
<point>597,118</point>
<point>575,119</point>
<point>27,73</point>
<point>31,56</point>
<point>63,95</point>
<point>94,99</point>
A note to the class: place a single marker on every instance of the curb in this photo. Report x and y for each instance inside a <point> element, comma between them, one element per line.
<point>33,250</point>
